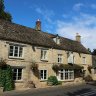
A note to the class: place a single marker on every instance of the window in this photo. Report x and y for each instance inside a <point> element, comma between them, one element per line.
<point>70,57</point>
<point>66,74</point>
<point>17,74</point>
<point>60,59</point>
<point>44,55</point>
<point>15,51</point>
<point>43,74</point>
<point>84,60</point>
<point>94,71</point>
<point>57,40</point>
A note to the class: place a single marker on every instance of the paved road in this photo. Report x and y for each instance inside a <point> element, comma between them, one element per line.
<point>80,90</point>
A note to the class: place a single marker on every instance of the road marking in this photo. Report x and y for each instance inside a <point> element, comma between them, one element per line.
<point>88,93</point>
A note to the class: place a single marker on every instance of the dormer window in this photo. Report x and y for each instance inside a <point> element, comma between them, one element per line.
<point>56,39</point>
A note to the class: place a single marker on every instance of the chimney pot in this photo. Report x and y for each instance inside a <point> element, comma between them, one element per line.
<point>38,25</point>
<point>78,37</point>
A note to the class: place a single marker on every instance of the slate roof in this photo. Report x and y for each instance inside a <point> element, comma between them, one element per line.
<point>15,32</point>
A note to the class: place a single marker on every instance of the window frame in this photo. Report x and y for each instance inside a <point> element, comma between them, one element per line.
<point>17,74</point>
<point>60,58</point>
<point>42,79</point>
<point>43,55</point>
<point>84,60</point>
<point>70,58</point>
<point>66,72</point>
<point>19,52</point>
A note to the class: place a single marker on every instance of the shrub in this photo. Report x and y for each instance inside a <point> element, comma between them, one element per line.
<point>88,78</point>
<point>53,80</point>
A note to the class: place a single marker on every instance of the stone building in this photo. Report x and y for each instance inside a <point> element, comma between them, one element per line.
<point>33,53</point>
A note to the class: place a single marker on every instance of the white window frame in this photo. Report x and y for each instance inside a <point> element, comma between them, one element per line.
<point>43,74</point>
<point>84,60</point>
<point>13,51</point>
<point>64,72</point>
<point>43,55</point>
<point>70,57</point>
<point>60,58</point>
<point>56,40</point>
<point>17,74</point>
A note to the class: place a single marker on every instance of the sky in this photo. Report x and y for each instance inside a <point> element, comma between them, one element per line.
<point>62,17</point>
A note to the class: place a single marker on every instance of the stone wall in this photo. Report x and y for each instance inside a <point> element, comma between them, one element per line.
<point>34,53</point>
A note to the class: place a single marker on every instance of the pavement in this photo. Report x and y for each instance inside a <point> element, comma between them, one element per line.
<point>73,90</point>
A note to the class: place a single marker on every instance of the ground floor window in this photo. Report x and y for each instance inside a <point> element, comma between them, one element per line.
<point>17,73</point>
<point>66,74</point>
<point>43,74</point>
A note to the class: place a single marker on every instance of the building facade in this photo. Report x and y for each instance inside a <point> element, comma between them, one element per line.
<point>33,53</point>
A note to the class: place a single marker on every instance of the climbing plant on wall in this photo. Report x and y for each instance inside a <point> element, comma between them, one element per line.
<point>6,79</point>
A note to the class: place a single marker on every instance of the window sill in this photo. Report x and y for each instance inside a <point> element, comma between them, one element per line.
<point>60,63</point>
<point>44,60</point>
<point>18,81</point>
<point>43,80</point>
<point>84,64</point>
<point>67,80</point>
<point>19,58</point>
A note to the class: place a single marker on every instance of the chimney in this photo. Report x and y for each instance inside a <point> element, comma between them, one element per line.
<point>38,25</point>
<point>78,37</point>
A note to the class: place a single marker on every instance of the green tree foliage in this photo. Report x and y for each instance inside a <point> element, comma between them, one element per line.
<point>94,52</point>
<point>4,15</point>
<point>1,5</point>
<point>6,79</point>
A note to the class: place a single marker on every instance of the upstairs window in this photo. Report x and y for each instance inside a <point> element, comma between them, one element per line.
<point>71,57</point>
<point>84,60</point>
<point>15,51</point>
<point>44,55</point>
<point>60,58</point>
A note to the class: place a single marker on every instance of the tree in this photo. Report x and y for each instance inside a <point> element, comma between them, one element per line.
<point>4,15</point>
<point>1,5</point>
<point>89,50</point>
<point>94,52</point>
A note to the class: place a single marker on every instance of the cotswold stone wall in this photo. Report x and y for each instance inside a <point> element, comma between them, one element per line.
<point>34,53</point>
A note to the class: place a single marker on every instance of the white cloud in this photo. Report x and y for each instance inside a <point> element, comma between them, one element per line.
<point>47,14</point>
<point>78,6</point>
<point>85,25</point>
